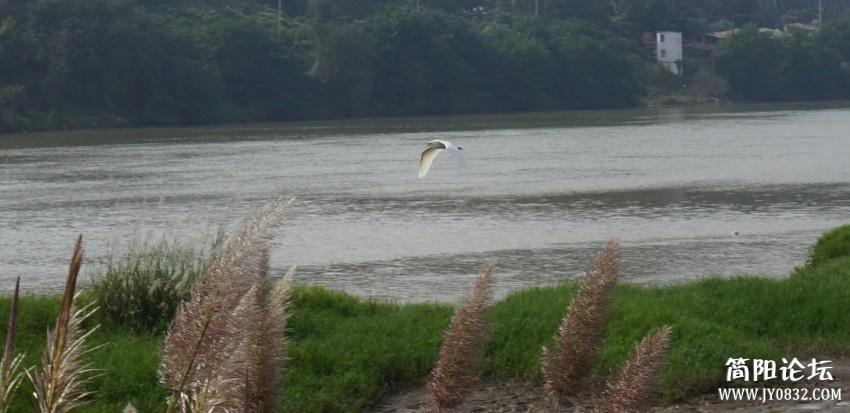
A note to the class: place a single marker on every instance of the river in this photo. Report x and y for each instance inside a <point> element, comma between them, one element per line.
<point>541,194</point>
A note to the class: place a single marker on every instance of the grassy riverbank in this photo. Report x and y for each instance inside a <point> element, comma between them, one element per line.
<point>345,353</point>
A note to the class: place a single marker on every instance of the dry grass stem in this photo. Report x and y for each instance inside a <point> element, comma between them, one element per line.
<point>582,331</point>
<point>460,351</point>
<point>639,375</point>
<point>10,367</point>
<point>210,329</point>
<point>59,386</point>
<point>206,397</point>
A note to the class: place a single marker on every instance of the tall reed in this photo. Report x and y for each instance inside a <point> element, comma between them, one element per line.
<point>639,375</point>
<point>460,352</point>
<point>10,367</point>
<point>59,385</point>
<point>200,357</point>
<point>582,330</point>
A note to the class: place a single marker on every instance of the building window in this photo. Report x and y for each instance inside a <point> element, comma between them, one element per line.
<point>663,53</point>
<point>662,37</point>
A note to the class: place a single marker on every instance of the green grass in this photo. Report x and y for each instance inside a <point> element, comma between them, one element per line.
<point>128,361</point>
<point>835,243</point>
<point>346,353</point>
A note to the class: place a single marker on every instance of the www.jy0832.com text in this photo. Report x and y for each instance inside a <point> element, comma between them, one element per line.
<point>768,394</point>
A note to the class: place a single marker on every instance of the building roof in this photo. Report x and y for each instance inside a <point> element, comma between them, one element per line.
<point>727,33</point>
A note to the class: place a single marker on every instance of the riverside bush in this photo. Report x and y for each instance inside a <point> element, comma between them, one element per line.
<point>142,288</point>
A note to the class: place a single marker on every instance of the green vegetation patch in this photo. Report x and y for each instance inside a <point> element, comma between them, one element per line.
<point>834,244</point>
<point>126,361</point>
<point>345,352</point>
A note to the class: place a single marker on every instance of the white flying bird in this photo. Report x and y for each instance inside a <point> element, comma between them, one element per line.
<point>432,149</point>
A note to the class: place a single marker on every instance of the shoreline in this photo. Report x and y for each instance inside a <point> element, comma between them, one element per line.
<point>348,354</point>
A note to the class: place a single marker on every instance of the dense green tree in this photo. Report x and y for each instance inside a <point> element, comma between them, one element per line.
<point>326,10</point>
<point>646,15</point>
<point>813,72</point>
<point>419,67</point>
<point>184,85</point>
<point>19,65</point>
<point>20,75</point>
<point>507,9</point>
<point>797,65</point>
<point>834,40</point>
<point>73,63</point>
<point>521,75</point>
<point>95,53</point>
<point>753,63</point>
<point>344,59</point>
<point>593,68</point>
<point>596,11</point>
<point>835,36</point>
<point>260,74</point>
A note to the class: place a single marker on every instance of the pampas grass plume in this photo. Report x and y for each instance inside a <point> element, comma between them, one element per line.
<point>467,332</point>
<point>263,346</point>
<point>582,330</point>
<point>639,375</point>
<point>204,355</point>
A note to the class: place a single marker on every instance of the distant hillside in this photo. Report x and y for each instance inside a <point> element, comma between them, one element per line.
<point>127,63</point>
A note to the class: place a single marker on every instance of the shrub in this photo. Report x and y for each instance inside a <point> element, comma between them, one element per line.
<point>142,288</point>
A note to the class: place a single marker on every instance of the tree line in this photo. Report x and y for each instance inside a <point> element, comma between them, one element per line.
<point>94,63</point>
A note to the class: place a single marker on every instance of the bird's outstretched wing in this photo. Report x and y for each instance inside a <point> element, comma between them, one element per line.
<point>456,153</point>
<point>426,159</point>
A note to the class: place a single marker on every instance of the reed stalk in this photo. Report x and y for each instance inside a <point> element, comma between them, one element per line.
<point>10,367</point>
<point>59,385</point>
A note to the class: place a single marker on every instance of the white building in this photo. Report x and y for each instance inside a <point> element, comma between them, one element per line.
<point>668,51</point>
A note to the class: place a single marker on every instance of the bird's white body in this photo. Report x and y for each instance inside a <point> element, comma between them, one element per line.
<point>432,149</point>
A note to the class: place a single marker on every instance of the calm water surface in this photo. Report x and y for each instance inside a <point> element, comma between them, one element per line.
<point>543,192</point>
